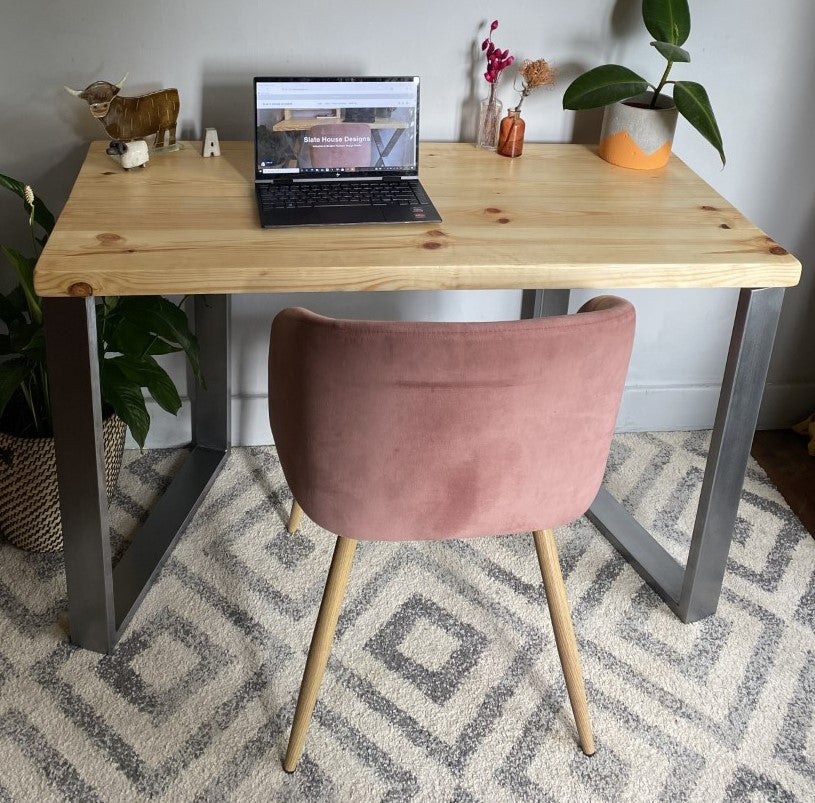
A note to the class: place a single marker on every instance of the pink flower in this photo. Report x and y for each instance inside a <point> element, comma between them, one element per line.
<point>497,59</point>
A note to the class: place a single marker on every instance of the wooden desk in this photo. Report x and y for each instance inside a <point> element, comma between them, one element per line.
<point>554,219</point>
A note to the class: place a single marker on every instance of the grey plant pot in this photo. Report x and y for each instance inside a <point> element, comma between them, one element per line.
<point>636,136</point>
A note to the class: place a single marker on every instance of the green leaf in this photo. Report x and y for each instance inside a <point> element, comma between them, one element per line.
<point>693,104</point>
<point>12,374</point>
<point>147,373</point>
<point>17,298</point>
<point>671,52</point>
<point>17,187</point>
<point>9,312</point>
<point>28,339</point>
<point>161,317</point>
<point>127,337</point>
<point>42,215</point>
<point>667,20</point>
<point>126,399</point>
<point>602,86</point>
<point>24,267</point>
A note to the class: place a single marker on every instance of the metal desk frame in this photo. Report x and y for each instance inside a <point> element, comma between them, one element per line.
<point>102,600</point>
<point>692,591</point>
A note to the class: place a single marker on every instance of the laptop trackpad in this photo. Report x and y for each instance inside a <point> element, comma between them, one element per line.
<point>351,214</point>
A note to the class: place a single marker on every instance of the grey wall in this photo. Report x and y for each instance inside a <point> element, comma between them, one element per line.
<point>755,58</point>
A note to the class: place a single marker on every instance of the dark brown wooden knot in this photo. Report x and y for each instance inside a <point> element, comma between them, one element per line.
<point>778,251</point>
<point>108,237</point>
<point>431,244</point>
<point>81,289</point>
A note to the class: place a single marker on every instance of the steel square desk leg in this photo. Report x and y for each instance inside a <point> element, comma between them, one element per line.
<point>692,592</point>
<point>73,378</point>
<point>543,303</point>
<point>101,600</point>
<point>745,374</point>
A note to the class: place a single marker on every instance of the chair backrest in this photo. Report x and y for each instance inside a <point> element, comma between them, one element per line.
<point>398,430</point>
<point>340,145</point>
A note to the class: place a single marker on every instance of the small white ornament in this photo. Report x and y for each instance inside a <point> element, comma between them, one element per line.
<point>211,146</point>
<point>129,154</point>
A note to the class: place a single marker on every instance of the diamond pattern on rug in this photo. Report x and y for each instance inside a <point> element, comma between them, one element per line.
<point>443,683</point>
<point>431,629</point>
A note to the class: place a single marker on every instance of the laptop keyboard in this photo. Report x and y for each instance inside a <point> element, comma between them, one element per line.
<point>347,193</point>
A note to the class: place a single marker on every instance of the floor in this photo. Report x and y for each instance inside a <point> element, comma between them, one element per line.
<point>444,681</point>
<point>783,455</point>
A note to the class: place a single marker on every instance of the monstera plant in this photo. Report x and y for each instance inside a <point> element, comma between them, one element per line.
<point>668,21</point>
<point>132,332</point>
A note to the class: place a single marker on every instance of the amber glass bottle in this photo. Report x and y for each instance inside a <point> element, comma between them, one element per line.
<point>511,135</point>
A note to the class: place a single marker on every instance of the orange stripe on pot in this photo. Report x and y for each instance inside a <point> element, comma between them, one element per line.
<point>620,149</point>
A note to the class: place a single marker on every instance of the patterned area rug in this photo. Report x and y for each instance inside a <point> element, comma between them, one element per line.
<point>444,682</point>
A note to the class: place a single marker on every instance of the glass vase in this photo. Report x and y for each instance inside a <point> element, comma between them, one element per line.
<point>511,135</point>
<point>488,118</point>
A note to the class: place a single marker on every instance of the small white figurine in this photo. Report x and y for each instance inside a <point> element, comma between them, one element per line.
<point>211,146</point>
<point>131,154</point>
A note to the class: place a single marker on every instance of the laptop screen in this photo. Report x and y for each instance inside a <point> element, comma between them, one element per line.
<point>336,126</point>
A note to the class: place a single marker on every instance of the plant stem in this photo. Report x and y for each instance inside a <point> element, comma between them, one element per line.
<point>661,84</point>
<point>26,391</point>
<point>45,394</point>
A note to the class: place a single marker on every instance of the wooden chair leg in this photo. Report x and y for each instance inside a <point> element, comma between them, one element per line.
<point>564,635</point>
<point>320,647</point>
<point>295,517</point>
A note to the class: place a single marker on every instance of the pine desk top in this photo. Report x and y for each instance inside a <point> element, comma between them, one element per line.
<point>557,217</point>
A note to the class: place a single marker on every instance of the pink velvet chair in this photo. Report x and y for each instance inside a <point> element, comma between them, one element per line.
<point>402,431</point>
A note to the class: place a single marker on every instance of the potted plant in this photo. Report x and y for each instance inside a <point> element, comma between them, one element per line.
<point>131,333</point>
<point>639,124</point>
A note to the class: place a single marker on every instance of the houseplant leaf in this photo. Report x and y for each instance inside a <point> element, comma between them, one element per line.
<point>24,268</point>
<point>9,311</point>
<point>603,85</point>
<point>28,339</point>
<point>160,316</point>
<point>42,215</point>
<point>672,52</point>
<point>667,20</point>
<point>126,337</point>
<point>147,373</point>
<point>126,399</point>
<point>693,104</point>
<point>12,374</point>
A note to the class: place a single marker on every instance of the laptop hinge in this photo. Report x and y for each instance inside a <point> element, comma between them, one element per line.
<point>391,178</point>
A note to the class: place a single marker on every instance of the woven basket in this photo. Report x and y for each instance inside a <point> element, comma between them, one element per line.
<point>29,496</point>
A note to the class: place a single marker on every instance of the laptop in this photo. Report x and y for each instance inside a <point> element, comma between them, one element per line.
<point>338,150</point>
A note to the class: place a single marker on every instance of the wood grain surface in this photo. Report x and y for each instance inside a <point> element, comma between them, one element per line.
<point>557,217</point>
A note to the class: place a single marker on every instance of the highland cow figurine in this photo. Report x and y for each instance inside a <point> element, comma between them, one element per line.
<point>127,119</point>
